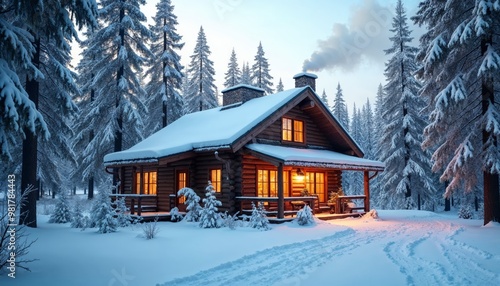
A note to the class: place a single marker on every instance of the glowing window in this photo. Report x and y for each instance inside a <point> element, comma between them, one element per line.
<point>216,179</point>
<point>315,184</point>
<point>267,183</point>
<point>292,130</point>
<point>149,184</point>
<point>181,183</point>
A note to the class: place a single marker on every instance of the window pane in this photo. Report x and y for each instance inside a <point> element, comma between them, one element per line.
<point>273,184</point>
<point>287,129</point>
<point>137,183</point>
<point>298,131</point>
<point>216,179</point>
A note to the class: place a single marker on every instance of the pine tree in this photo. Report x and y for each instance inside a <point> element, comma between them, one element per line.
<point>324,98</point>
<point>354,179</point>
<point>201,93</point>
<point>102,214</point>
<point>280,87</point>
<point>233,74</point>
<point>407,174</point>
<point>210,218</point>
<point>56,156</point>
<point>78,219</point>
<point>192,202</point>
<point>62,213</point>
<point>305,216</point>
<point>339,108</point>
<point>367,128</point>
<point>123,216</point>
<point>260,76</point>
<point>246,77</point>
<point>165,70</point>
<point>258,219</point>
<point>22,26</point>
<point>118,54</point>
<point>460,57</point>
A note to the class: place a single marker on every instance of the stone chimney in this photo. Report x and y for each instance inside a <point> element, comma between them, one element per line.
<point>240,93</point>
<point>305,79</point>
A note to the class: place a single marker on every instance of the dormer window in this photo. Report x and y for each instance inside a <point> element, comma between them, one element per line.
<point>293,130</point>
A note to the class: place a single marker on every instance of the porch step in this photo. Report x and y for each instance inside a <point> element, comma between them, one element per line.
<point>146,208</point>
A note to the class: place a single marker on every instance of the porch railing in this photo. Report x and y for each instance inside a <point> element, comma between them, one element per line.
<point>130,199</point>
<point>294,201</point>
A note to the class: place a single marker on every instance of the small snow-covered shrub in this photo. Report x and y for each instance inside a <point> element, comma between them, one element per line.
<point>305,216</point>
<point>192,202</point>
<point>102,214</point>
<point>123,217</point>
<point>465,212</point>
<point>175,215</point>
<point>209,217</point>
<point>258,219</point>
<point>150,229</point>
<point>61,214</point>
<point>230,221</point>
<point>78,220</point>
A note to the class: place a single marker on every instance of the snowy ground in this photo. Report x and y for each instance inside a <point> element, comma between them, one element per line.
<point>399,248</point>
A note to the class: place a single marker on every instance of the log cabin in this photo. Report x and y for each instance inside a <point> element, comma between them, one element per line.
<point>280,148</point>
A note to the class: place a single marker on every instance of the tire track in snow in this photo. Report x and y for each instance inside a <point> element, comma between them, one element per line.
<point>455,255</point>
<point>276,264</point>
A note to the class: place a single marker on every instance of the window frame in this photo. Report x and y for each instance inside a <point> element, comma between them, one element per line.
<point>312,187</point>
<point>217,183</point>
<point>290,131</point>
<point>181,199</point>
<point>150,184</point>
<point>267,191</point>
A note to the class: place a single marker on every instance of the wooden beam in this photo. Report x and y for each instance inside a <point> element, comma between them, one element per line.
<point>281,197</point>
<point>367,190</point>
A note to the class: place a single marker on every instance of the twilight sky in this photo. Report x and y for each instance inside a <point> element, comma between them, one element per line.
<point>340,41</point>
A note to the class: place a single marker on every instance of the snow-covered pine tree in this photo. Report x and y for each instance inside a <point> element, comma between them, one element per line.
<point>192,202</point>
<point>246,77</point>
<point>102,214</point>
<point>367,129</point>
<point>260,76</point>
<point>354,179</point>
<point>55,156</point>
<point>324,98</point>
<point>460,57</point>
<point>62,213</point>
<point>407,177</point>
<point>201,93</point>
<point>175,215</point>
<point>22,25</point>
<point>123,216</point>
<point>305,216</point>
<point>280,87</point>
<point>118,53</point>
<point>165,70</point>
<point>233,74</point>
<point>258,219</point>
<point>78,219</point>
<point>209,216</point>
<point>339,108</point>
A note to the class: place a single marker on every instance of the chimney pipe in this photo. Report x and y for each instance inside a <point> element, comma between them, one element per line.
<point>305,79</point>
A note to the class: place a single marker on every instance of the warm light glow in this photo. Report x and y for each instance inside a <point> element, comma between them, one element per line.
<point>149,183</point>
<point>299,176</point>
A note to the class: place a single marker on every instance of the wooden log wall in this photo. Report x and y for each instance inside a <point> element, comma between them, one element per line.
<point>313,135</point>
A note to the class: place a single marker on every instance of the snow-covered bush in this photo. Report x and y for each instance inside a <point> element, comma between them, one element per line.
<point>210,218</point>
<point>102,214</point>
<point>175,215</point>
<point>258,219</point>
<point>465,212</point>
<point>150,229</point>
<point>230,221</point>
<point>305,216</point>
<point>123,217</point>
<point>78,219</point>
<point>61,214</point>
<point>372,213</point>
<point>192,202</point>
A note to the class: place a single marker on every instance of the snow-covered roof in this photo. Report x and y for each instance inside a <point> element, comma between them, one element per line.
<point>243,85</point>
<point>206,129</point>
<point>315,158</point>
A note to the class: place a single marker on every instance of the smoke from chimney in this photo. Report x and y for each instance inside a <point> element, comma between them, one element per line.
<point>364,37</point>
